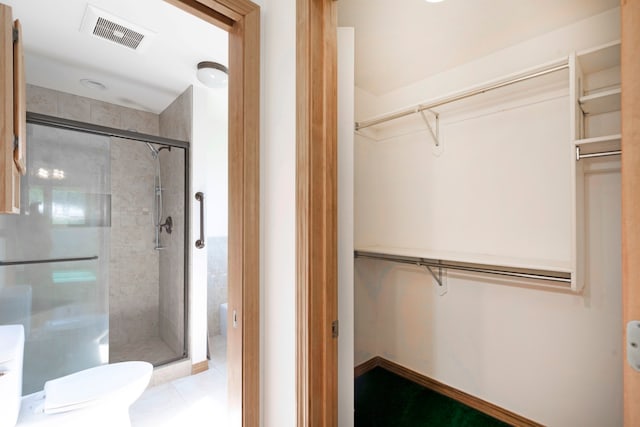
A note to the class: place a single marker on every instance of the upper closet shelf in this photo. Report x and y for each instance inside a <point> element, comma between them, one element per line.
<point>473,91</point>
<point>601,102</point>
<point>600,58</point>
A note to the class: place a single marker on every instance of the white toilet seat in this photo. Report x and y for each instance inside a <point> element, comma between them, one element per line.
<point>98,396</point>
<point>99,384</point>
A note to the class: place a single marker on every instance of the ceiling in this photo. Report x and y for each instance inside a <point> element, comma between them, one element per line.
<point>397,42</point>
<point>401,42</point>
<point>58,55</point>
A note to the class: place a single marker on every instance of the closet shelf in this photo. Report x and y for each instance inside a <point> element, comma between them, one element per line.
<point>600,58</point>
<point>510,80</point>
<point>599,144</point>
<point>544,270</point>
<point>601,102</point>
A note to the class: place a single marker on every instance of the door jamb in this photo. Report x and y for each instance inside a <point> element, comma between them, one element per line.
<point>630,67</point>
<point>316,213</point>
<point>241,19</point>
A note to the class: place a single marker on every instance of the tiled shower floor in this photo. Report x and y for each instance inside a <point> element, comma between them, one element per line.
<point>153,350</point>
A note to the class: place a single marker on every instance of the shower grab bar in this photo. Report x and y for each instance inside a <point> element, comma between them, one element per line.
<point>47,261</point>
<point>200,241</point>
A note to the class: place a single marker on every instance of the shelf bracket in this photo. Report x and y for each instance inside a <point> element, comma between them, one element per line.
<point>438,277</point>
<point>435,135</point>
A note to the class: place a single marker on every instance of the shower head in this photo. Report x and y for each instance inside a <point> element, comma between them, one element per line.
<point>154,151</point>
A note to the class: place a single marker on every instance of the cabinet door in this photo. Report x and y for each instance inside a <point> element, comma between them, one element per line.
<point>12,159</point>
<point>19,102</point>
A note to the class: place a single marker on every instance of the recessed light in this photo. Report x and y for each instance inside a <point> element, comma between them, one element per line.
<point>434,1</point>
<point>92,84</point>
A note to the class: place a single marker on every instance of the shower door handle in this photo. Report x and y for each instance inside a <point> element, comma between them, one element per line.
<point>200,241</point>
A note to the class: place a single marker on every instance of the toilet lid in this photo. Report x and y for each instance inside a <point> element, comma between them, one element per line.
<point>86,387</point>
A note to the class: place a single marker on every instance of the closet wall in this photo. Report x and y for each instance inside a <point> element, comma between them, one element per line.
<point>551,356</point>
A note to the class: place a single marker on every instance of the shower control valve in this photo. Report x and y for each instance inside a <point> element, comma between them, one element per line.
<point>167,225</point>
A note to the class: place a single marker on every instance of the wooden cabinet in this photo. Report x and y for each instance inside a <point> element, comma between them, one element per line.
<point>12,112</point>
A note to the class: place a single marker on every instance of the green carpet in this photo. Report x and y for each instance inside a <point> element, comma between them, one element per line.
<point>385,399</point>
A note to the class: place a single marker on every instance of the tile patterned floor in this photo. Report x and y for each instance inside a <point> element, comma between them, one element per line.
<point>194,401</point>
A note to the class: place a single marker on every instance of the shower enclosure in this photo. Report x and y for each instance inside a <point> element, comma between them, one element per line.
<point>94,264</point>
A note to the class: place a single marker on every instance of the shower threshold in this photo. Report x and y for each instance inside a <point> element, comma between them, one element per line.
<point>153,350</point>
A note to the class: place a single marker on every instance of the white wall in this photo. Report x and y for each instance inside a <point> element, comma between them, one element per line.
<point>346,71</point>
<point>277,210</point>
<point>208,175</point>
<point>549,356</point>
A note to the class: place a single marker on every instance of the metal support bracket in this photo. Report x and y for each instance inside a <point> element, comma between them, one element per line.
<point>440,278</point>
<point>633,344</point>
<point>435,135</point>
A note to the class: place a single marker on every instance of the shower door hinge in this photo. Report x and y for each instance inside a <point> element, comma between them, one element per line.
<point>335,329</point>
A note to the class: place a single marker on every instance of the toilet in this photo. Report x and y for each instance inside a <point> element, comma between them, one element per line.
<point>98,396</point>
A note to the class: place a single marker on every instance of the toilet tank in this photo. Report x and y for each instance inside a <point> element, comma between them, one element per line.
<point>11,357</point>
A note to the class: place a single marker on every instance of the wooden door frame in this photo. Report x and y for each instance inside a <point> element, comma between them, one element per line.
<point>630,70</point>
<point>316,228</point>
<point>316,213</point>
<point>241,19</point>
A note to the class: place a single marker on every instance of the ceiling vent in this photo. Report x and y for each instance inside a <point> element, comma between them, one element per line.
<point>106,26</point>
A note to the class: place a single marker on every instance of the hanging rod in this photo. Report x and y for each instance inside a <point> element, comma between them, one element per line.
<point>47,261</point>
<point>471,267</point>
<point>601,154</point>
<point>462,95</point>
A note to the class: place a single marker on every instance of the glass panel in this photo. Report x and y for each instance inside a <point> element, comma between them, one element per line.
<point>65,214</point>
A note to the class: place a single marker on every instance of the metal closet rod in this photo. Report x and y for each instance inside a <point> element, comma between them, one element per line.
<point>468,267</point>
<point>473,92</point>
<point>592,155</point>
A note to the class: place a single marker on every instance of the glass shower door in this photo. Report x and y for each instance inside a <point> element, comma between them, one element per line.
<point>54,255</point>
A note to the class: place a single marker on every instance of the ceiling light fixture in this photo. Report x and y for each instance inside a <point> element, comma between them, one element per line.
<point>212,74</point>
<point>434,1</point>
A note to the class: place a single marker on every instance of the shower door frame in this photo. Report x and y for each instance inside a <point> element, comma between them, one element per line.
<point>72,125</point>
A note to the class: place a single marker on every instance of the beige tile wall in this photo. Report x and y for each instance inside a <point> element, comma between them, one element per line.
<point>59,104</point>
<point>133,289</point>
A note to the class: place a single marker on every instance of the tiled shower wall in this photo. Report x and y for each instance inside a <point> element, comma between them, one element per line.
<point>133,289</point>
<point>135,268</point>
<point>175,122</point>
